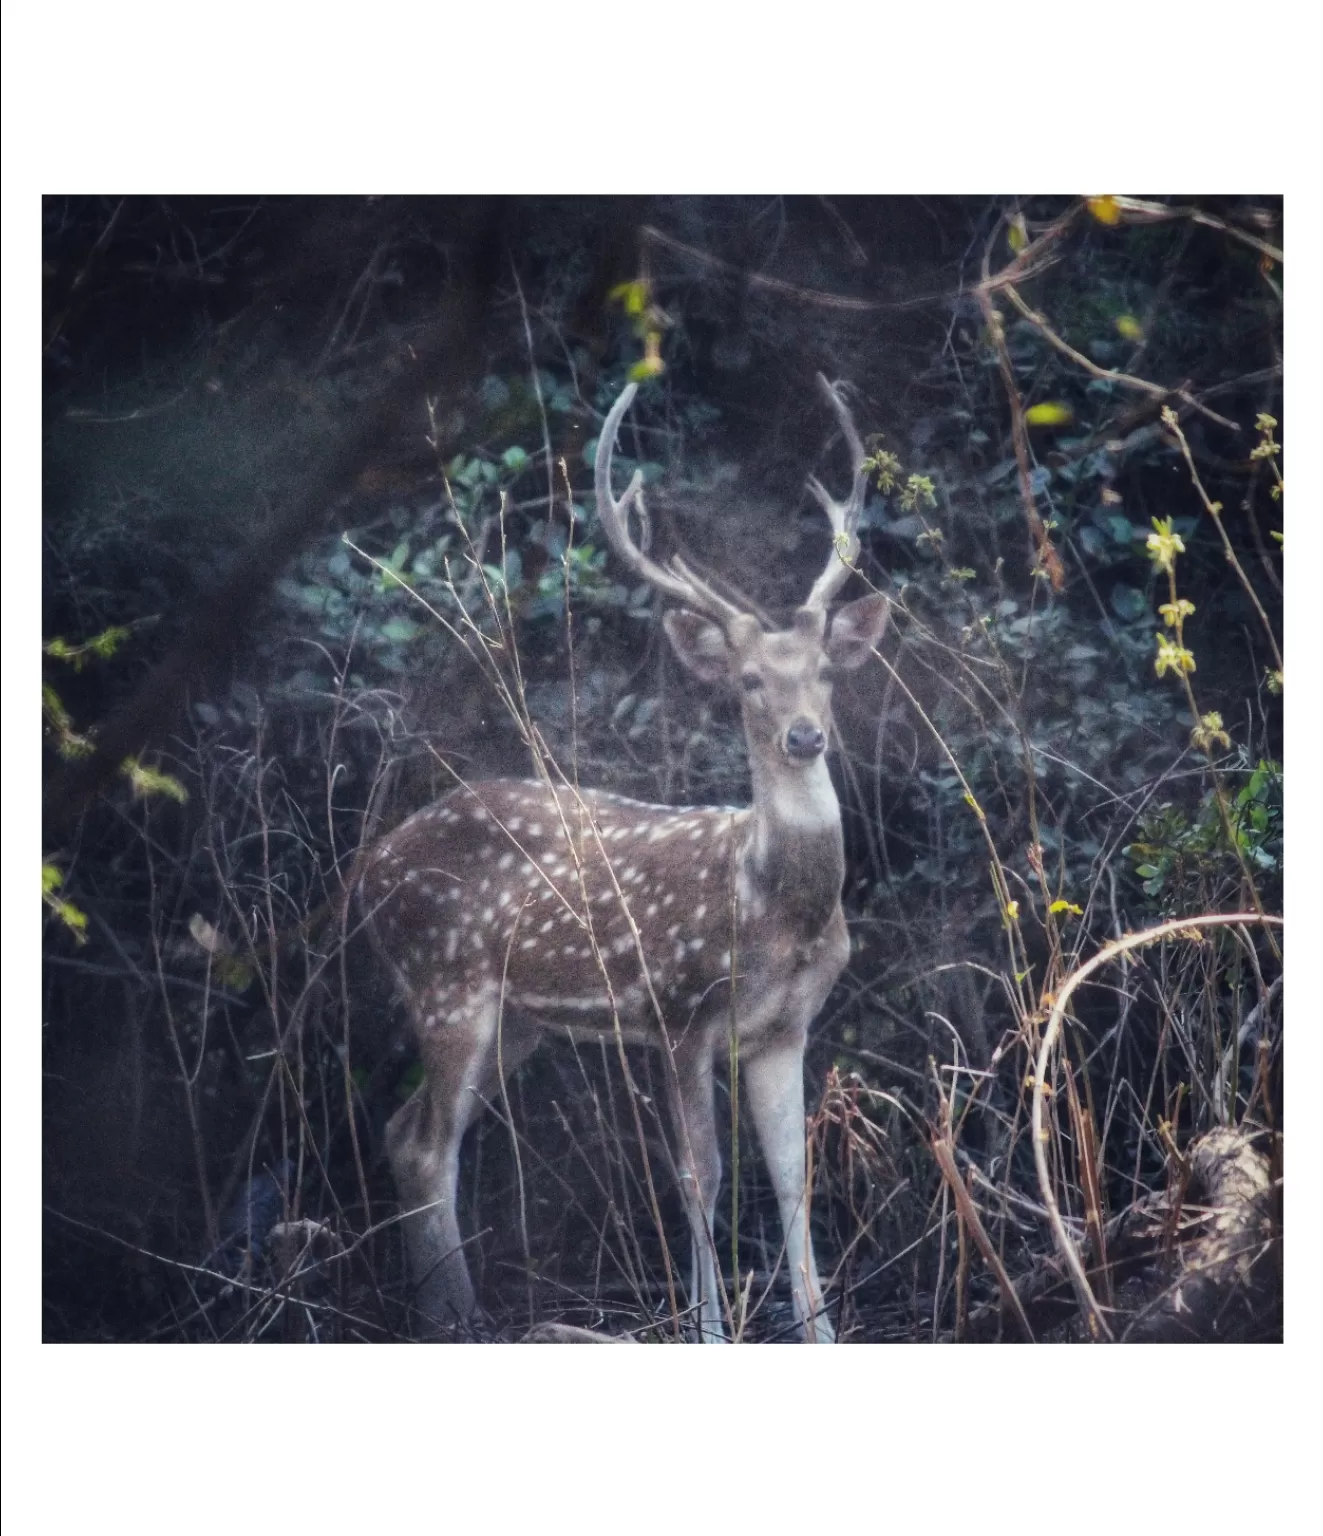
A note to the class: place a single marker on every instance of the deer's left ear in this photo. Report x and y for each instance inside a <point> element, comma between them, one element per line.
<point>699,643</point>
<point>856,629</point>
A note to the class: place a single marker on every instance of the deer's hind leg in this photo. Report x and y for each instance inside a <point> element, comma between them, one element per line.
<point>698,1163</point>
<point>457,1037</point>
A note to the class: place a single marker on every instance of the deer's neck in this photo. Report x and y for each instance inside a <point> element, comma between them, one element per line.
<point>794,858</point>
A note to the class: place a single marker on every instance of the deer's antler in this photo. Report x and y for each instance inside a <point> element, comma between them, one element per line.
<point>674,578</point>
<point>842,515</point>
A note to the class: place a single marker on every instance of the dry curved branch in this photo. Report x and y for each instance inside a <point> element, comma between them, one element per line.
<point>567,1333</point>
<point>1179,927</point>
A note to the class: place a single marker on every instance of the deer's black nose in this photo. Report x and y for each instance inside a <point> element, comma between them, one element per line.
<point>805,741</point>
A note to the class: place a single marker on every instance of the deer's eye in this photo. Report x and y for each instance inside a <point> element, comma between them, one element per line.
<point>750,682</point>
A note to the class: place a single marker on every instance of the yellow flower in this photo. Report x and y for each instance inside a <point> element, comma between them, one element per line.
<point>1050,413</point>
<point>1164,545</point>
<point>1208,731</point>
<point>1173,613</point>
<point>1173,656</point>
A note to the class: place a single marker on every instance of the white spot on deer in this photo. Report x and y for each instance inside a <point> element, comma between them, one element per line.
<point>725,960</point>
<point>534,829</point>
<point>652,909</point>
<point>702,874</point>
<point>503,900</point>
<point>623,945</point>
<point>695,945</point>
<point>433,933</point>
<point>668,898</point>
<point>528,944</point>
<point>672,930</point>
<point>591,1003</point>
<point>452,943</point>
<point>548,925</point>
<point>696,833</point>
<point>700,911</point>
<point>679,952</point>
<point>505,861</point>
<point>487,914</point>
<point>514,824</point>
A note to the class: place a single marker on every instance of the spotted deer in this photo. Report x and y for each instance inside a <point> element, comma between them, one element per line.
<point>511,908</point>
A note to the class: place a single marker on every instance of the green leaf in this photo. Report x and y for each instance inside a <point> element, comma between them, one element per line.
<point>401,631</point>
<point>73,918</point>
<point>1128,603</point>
<point>150,781</point>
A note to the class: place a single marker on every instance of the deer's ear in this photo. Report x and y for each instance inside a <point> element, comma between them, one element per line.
<point>856,629</point>
<point>699,643</point>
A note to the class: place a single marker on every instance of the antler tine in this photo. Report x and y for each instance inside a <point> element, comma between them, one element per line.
<point>674,579</point>
<point>843,516</point>
<point>716,605</point>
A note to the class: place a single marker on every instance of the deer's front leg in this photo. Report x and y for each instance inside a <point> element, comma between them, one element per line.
<point>772,1079</point>
<point>698,1161</point>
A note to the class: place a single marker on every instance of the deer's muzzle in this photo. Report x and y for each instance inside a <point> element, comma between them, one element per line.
<point>805,741</point>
